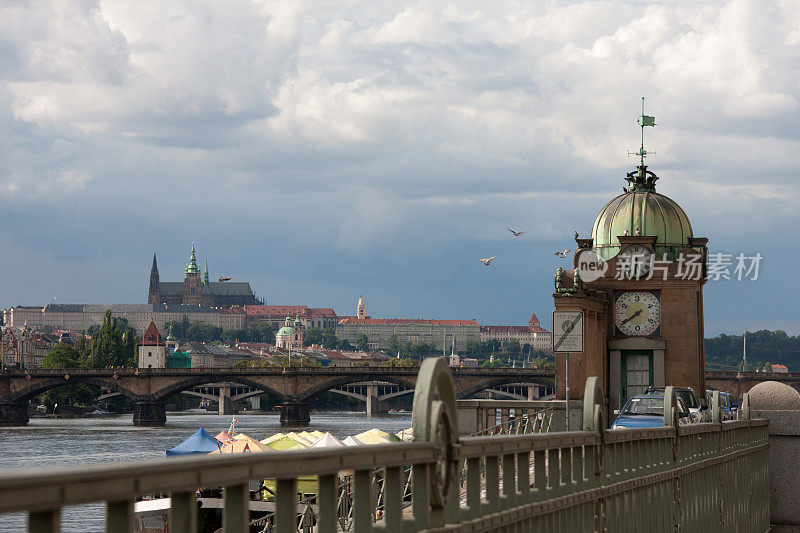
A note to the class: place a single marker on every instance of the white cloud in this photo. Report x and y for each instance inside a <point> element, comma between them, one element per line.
<point>368,125</point>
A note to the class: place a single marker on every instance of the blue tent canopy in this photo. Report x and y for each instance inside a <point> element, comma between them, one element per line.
<point>200,442</point>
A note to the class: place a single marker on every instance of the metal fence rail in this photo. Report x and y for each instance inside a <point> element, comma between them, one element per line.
<point>704,477</point>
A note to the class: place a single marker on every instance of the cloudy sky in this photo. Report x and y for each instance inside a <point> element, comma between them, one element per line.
<point>323,150</point>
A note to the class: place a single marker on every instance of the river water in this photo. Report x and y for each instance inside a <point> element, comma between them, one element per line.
<point>45,443</point>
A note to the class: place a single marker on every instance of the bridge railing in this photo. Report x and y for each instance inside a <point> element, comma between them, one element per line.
<point>710,476</point>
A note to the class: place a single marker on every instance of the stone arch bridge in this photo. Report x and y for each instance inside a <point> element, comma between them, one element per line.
<point>149,388</point>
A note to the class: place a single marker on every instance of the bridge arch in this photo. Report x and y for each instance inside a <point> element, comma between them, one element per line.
<point>491,383</point>
<point>196,381</point>
<point>35,389</point>
<point>325,386</point>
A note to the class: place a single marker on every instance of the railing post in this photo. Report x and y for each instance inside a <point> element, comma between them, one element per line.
<point>392,499</point>
<point>236,514</point>
<point>362,501</point>
<point>45,521</point>
<point>286,506</point>
<point>474,487</point>
<point>420,484</point>
<point>119,517</point>
<point>326,504</point>
<point>183,511</point>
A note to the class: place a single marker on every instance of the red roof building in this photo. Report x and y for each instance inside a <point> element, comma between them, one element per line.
<point>310,317</point>
<point>533,334</point>
<point>152,337</point>
<point>383,332</point>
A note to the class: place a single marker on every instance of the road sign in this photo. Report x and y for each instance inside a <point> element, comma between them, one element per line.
<point>568,331</point>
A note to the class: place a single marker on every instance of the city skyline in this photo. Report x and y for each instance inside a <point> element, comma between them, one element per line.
<point>326,153</point>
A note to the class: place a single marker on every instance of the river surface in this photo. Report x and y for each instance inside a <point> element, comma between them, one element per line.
<point>45,443</point>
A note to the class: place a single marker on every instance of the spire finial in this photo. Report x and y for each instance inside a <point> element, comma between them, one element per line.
<point>643,179</point>
<point>643,120</point>
<point>192,267</point>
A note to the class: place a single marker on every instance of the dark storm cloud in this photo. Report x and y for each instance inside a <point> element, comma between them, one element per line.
<point>324,151</point>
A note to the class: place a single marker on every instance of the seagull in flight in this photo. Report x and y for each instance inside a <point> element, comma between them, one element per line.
<point>487,260</point>
<point>516,233</point>
<point>564,253</point>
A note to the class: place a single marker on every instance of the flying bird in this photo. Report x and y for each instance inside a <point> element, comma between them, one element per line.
<point>487,260</point>
<point>564,253</point>
<point>516,233</point>
<point>224,279</point>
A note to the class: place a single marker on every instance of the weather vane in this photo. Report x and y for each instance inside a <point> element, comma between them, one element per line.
<point>643,120</point>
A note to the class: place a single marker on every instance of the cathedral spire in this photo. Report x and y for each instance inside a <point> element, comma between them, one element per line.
<point>155,286</point>
<point>205,275</point>
<point>192,267</point>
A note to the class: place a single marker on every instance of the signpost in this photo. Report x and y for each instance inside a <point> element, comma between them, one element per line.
<point>567,338</point>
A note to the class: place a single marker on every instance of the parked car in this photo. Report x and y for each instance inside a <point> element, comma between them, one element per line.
<point>647,411</point>
<point>729,409</point>
<point>698,412</point>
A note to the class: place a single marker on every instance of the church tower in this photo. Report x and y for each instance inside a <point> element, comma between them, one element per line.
<point>153,296</point>
<point>192,282</point>
<point>361,311</point>
<point>639,283</point>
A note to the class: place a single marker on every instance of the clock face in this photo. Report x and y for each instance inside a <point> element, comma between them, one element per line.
<point>638,258</point>
<point>637,313</point>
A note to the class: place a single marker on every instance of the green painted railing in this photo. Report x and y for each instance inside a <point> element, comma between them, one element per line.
<point>703,477</point>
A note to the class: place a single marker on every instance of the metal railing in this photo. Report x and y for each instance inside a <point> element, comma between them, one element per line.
<point>702,477</point>
<point>516,422</point>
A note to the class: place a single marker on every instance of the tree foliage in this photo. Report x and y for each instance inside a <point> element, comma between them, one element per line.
<point>763,346</point>
<point>113,344</point>
<point>324,337</point>
<point>405,362</point>
<point>199,331</point>
<point>64,356</point>
<point>362,342</point>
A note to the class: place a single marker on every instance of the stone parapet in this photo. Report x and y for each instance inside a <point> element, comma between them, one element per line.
<point>780,404</point>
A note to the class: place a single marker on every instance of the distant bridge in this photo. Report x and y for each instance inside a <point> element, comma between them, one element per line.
<point>149,388</point>
<point>737,383</point>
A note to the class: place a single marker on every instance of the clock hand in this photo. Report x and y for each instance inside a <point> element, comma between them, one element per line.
<point>634,315</point>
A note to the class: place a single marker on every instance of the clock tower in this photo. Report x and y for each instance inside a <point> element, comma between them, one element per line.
<point>639,281</point>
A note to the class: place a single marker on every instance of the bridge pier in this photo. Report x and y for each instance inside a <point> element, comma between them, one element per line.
<point>295,413</point>
<point>374,404</point>
<point>225,403</point>
<point>13,413</point>
<point>149,414</point>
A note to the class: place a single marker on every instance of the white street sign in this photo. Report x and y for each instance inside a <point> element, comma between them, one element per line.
<point>568,331</point>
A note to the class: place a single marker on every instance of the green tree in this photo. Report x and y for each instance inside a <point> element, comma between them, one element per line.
<point>260,332</point>
<point>106,347</point>
<point>362,342</point>
<point>406,362</point>
<point>394,344</point>
<point>344,344</point>
<point>64,356</point>
<point>407,348</point>
<point>313,336</point>
<point>329,339</point>
<point>513,347</point>
<point>473,348</point>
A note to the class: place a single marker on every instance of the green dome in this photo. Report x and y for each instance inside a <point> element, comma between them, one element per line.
<point>285,330</point>
<point>646,211</point>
